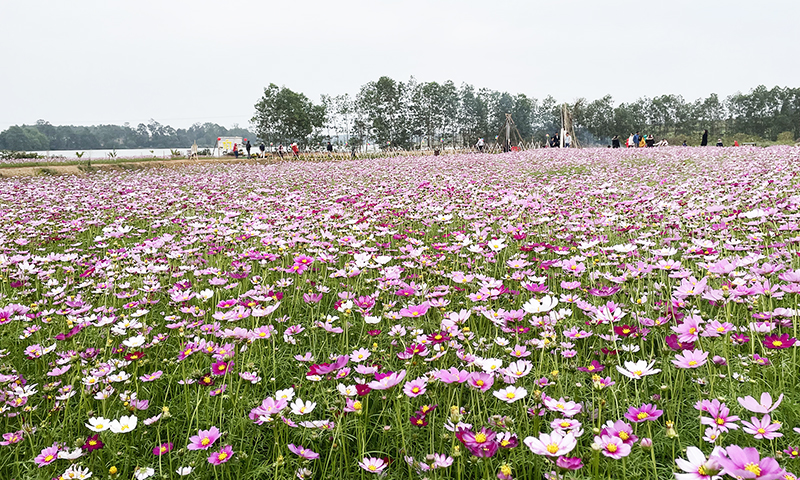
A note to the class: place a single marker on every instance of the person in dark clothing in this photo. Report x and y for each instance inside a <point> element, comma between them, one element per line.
<point>636,139</point>
<point>263,148</point>
<point>615,142</point>
<point>704,141</point>
<point>280,150</point>
<point>330,148</point>
<point>684,144</point>
<point>719,143</point>
<point>247,147</point>
<point>236,150</point>
<point>649,141</point>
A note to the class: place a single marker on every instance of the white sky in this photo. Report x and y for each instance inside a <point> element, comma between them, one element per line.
<point>113,61</point>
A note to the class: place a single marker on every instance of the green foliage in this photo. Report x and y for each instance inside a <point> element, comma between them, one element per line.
<point>285,116</point>
<point>44,136</point>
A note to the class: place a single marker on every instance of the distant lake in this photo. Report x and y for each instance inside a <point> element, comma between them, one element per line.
<point>120,153</point>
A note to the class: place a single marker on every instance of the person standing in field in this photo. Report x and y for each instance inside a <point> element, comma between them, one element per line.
<point>642,143</point>
<point>280,150</point>
<point>295,150</point>
<point>329,148</point>
<point>263,148</point>
<point>235,150</point>
<point>704,141</point>
<point>480,145</point>
<point>567,140</point>
<point>247,147</point>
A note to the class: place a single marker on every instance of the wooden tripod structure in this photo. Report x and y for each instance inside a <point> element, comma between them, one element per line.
<point>509,133</point>
<point>567,127</point>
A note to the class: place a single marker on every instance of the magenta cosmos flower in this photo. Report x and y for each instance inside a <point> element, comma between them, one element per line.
<point>746,463</point>
<point>553,445</point>
<point>373,465</point>
<point>646,412</point>
<point>779,341</point>
<point>304,452</point>
<point>387,380</point>
<point>162,449</point>
<point>204,439</point>
<point>222,456</point>
<point>220,368</point>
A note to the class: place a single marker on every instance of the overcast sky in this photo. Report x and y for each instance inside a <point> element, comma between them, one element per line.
<point>88,62</point>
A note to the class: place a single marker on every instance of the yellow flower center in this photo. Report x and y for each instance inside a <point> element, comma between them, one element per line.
<point>415,390</point>
<point>480,438</point>
<point>637,372</point>
<point>222,456</point>
<point>552,448</point>
<point>510,395</point>
<point>623,436</point>
<point>692,363</point>
<point>753,468</point>
<point>777,343</point>
<point>48,458</point>
<point>372,468</point>
<point>642,415</point>
<point>205,441</point>
<point>611,447</point>
<point>479,383</point>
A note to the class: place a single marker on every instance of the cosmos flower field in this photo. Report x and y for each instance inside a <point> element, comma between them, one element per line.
<point>551,314</point>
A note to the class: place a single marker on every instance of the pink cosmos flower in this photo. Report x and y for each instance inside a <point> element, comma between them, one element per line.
<point>568,409</point>
<point>415,387</point>
<point>646,412</point>
<point>612,447</point>
<point>301,451</point>
<point>764,406</point>
<point>387,381</point>
<point>480,380</point>
<point>762,429</point>
<point>414,311</point>
<point>13,437</point>
<point>746,463</point>
<point>720,413</point>
<point>373,465</point>
<point>621,430</point>
<point>690,359</point>
<point>222,456</point>
<point>553,445</point>
<point>47,456</point>
<point>204,439</point>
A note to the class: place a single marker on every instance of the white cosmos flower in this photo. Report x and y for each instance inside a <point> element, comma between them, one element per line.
<point>123,425</point>
<point>182,471</point>
<point>536,306</point>
<point>135,342</point>
<point>510,394</point>
<point>70,455</point>
<point>98,424</point>
<point>299,407</point>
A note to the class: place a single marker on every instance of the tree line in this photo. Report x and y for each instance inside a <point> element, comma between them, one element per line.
<point>412,114</point>
<point>44,136</point>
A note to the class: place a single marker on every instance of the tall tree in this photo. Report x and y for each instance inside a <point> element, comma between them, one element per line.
<point>283,115</point>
